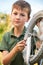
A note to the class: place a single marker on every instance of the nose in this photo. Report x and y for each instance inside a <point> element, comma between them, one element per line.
<point>18,16</point>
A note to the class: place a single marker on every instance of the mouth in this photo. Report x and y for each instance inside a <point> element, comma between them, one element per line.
<point>17,21</point>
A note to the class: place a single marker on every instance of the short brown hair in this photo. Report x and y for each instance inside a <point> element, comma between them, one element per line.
<point>23,5</point>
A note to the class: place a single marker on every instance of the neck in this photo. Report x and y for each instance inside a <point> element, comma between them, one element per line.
<point>18,31</point>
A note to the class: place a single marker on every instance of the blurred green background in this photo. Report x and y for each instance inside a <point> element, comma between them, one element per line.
<point>4,24</point>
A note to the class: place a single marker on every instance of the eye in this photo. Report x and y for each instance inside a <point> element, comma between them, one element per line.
<point>15,13</point>
<point>22,14</point>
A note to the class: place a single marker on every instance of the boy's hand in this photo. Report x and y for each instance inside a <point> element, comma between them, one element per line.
<point>20,45</point>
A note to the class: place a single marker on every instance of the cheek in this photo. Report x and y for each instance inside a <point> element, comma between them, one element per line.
<point>25,19</point>
<point>12,17</point>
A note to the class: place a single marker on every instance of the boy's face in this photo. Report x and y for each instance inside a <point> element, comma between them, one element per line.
<point>19,17</point>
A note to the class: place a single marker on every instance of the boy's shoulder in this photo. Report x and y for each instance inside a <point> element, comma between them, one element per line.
<point>6,35</point>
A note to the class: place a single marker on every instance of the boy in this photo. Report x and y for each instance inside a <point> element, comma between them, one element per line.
<point>13,44</point>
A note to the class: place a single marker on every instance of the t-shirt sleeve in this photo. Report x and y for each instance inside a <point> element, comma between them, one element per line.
<point>4,44</point>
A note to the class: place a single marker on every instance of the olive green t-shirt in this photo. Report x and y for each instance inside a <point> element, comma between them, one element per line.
<point>9,41</point>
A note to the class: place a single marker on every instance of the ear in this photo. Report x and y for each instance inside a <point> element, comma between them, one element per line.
<point>28,19</point>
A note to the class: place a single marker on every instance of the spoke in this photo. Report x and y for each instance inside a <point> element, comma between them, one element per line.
<point>32,34</point>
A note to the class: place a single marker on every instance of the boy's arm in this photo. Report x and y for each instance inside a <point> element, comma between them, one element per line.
<point>7,57</point>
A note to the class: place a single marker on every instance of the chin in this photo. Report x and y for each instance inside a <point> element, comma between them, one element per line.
<point>17,25</point>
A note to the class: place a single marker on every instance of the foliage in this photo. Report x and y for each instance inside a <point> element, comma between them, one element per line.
<point>4,23</point>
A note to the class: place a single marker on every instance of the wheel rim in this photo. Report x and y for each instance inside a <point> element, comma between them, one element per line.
<point>31,25</point>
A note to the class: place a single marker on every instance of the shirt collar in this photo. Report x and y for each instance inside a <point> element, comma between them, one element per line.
<point>12,32</point>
